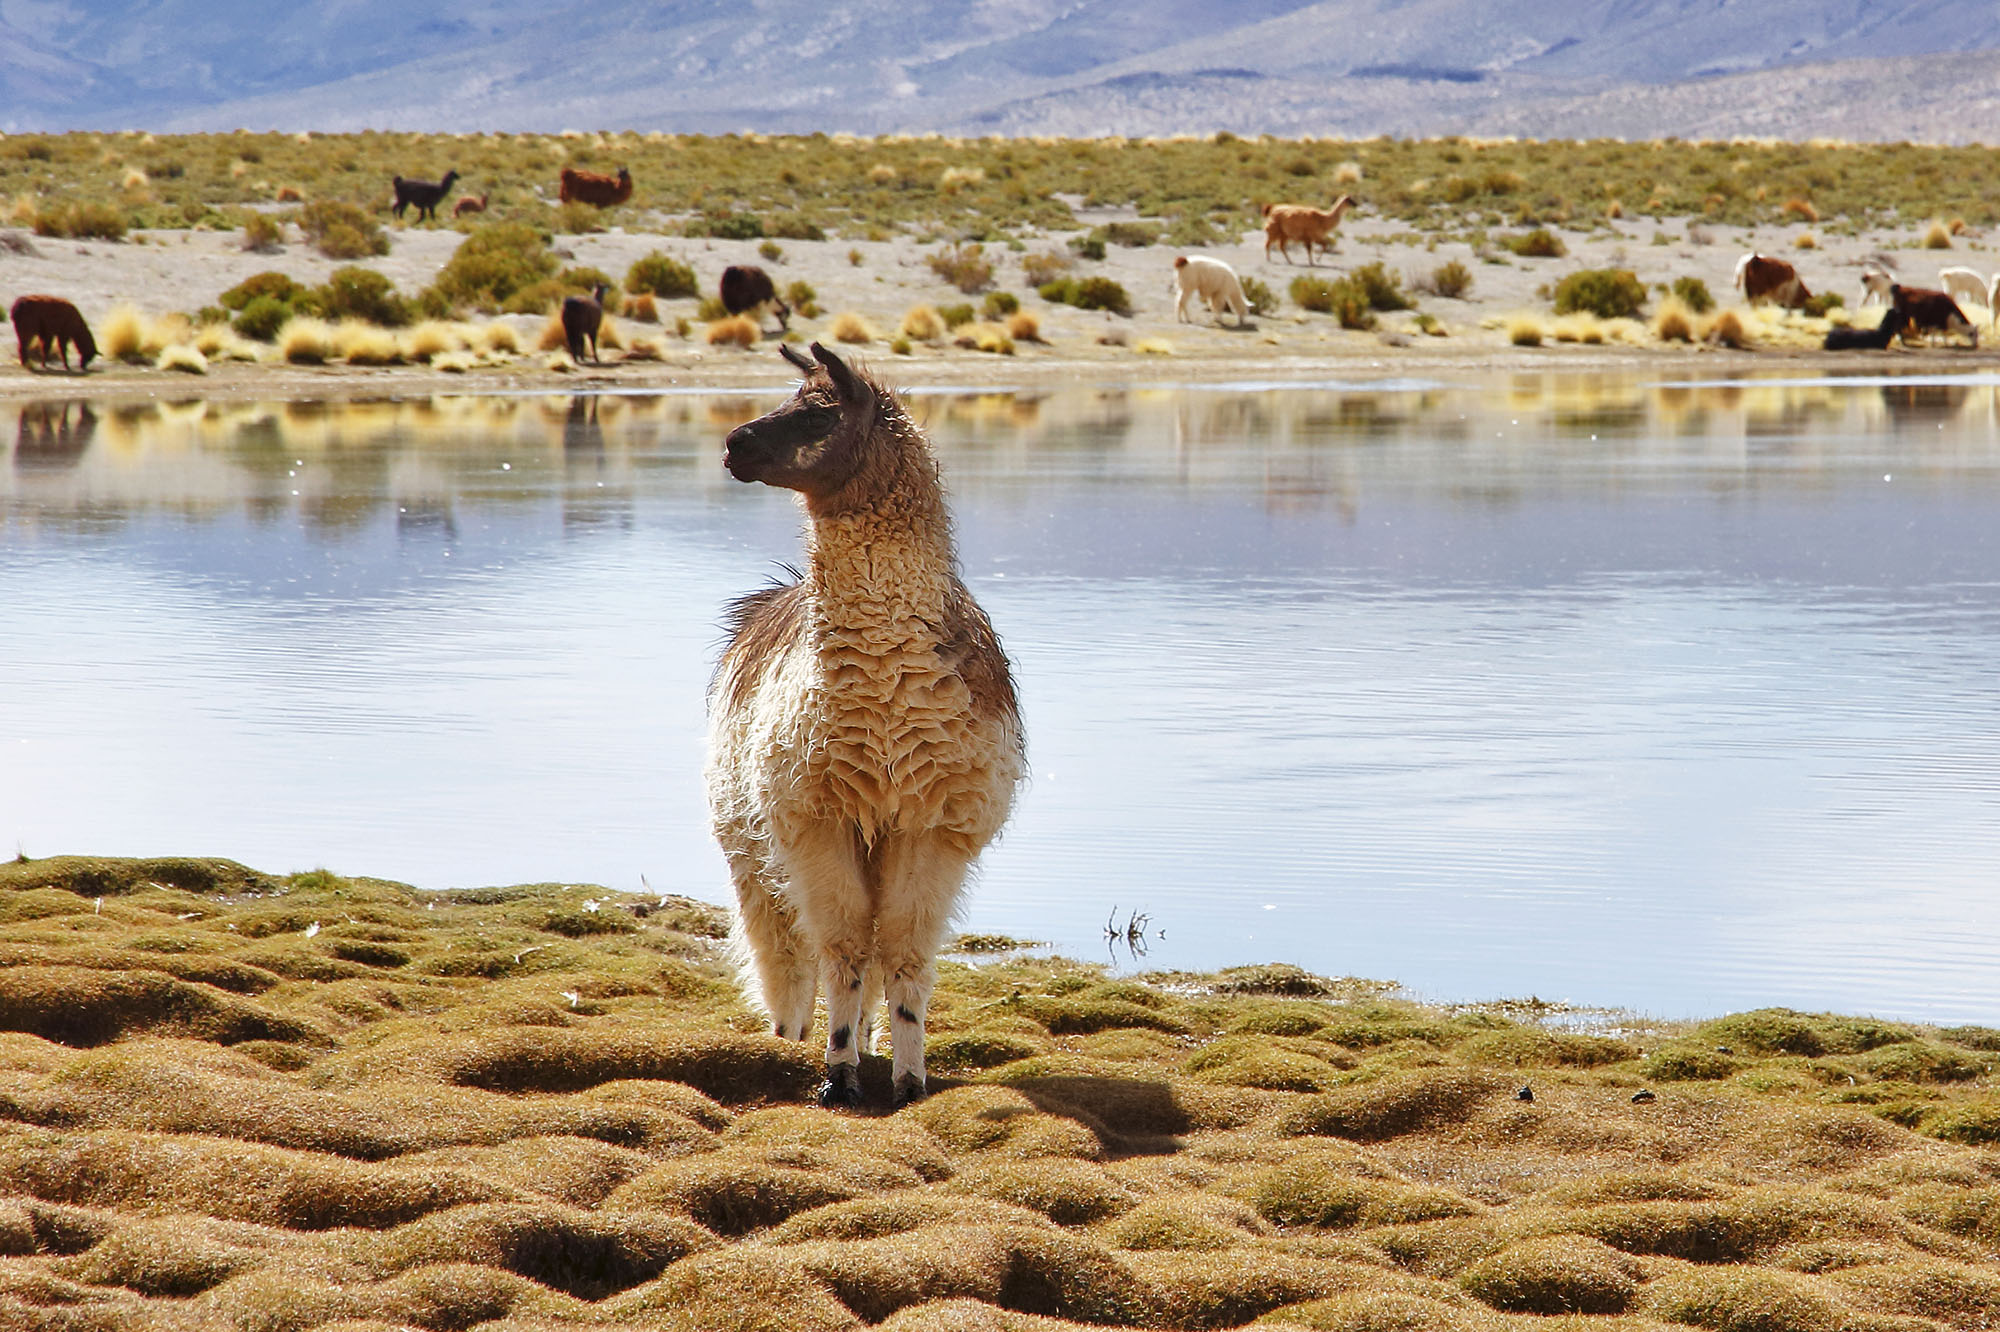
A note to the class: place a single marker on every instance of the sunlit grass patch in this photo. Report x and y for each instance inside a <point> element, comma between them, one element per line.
<point>849,327</point>
<point>732,331</point>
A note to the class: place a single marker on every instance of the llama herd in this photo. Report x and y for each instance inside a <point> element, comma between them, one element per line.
<point>1918,311</point>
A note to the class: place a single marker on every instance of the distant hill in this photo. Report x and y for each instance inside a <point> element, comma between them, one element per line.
<point>1890,69</point>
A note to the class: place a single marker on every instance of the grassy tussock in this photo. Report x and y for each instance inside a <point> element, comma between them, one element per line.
<point>847,326</point>
<point>735,330</point>
<point>502,1107</point>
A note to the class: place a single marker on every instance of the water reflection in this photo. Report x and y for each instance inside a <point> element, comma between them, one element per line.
<point>1670,695</point>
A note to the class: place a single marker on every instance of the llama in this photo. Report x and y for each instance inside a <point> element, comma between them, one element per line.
<point>582,317</point>
<point>56,325</point>
<point>426,195</point>
<point>1213,282</point>
<point>592,188</point>
<point>746,287</point>
<point>1875,286</point>
<point>864,742</point>
<point>1867,339</point>
<point>1285,223</point>
<point>471,204</point>
<point>1762,278</point>
<point>1965,286</point>
<point>1930,312</point>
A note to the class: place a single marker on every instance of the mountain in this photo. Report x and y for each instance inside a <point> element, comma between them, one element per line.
<point>1886,69</point>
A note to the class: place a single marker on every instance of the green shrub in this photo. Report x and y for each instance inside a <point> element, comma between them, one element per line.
<point>1262,299</point>
<point>262,232</point>
<point>81,221</point>
<point>1090,293</point>
<point>999,304</point>
<point>794,226</point>
<point>1380,288</point>
<point>1451,280</point>
<point>1826,300</point>
<point>955,316</point>
<point>493,263</point>
<point>770,252</point>
<point>262,317</point>
<point>1693,293</point>
<point>1038,270</point>
<point>1344,299</point>
<point>1541,243</point>
<point>576,218</point>
<point>726,226</point>
<point>362,293</point>
<point>1089,247</point>
<point>803,299</point>
<point>662,275</point>
<point>1608,293</point>
<point>278,286</point>
<point>1131,235</point>
<point>341,230</point>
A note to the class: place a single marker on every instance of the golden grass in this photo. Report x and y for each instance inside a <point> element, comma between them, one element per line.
<point>1725,329</point>
<point>847,326</point>
<point>736,330</point>
<point>359,343</point>
<point>1525,330</point>
<point>499,339</point>
<point>1673,321</point>
<point>1024,326</point>
<point>500,1108</point>
<point>1937,236</point>
<point>184,358</point>
<point>306,342</point>
<point>922,323</point>
<point>1153,347</point>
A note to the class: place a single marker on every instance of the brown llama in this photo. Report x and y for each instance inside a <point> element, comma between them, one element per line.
<point>1285,223</point>
<point>55,325</point>
<point>864,741</point>
<point>582,317</point>
<point>592,188</point>
<point>470,203</point>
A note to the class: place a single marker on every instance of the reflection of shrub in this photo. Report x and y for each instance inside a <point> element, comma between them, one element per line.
<point>1091,293</point>
<point>1608,293</point>
<point>341,230</point>
<point>663,275</point>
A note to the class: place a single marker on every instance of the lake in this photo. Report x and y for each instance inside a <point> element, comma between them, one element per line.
<point>1672,696</point>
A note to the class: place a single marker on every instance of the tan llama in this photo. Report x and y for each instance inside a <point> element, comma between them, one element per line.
<point>864,741</point>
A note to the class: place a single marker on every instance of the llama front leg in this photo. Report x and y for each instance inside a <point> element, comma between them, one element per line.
<point>919,878</point>
<point>827,891</point>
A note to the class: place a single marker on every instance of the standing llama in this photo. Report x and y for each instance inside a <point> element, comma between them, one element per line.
<point>864,740</point>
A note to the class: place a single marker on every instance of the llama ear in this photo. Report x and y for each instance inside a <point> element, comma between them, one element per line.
<point>798,359</point>
<point>849,384</point>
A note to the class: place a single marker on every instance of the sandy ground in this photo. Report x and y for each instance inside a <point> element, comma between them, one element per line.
<point>161,272</point>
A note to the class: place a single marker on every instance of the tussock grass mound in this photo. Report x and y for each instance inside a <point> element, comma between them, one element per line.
<point>240,1101</point>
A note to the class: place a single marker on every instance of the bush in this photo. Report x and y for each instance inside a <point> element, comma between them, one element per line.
<point>362,293</point>
<point>1041,269</point>
<point>1346,300</point>
<point>276,285</point>
<point>81,221</point>
<point>342,230</point>
<point>1089,247</point>
<point>1817,306</point>
<point>1693,293</point>
<point>1450,280</point>
<point>1091,293</point>
<point>492,264</point>
<point>1262,300</point>
<point>999,304</point>
<point>803,299</point>
<point>1608,293</point>
<point>1541,243</point>
<point>792,226</point>
<point>726,226</point>
<point>262,232</point>
<point>770,252</point>
<point>963,266</point>
<point>955,316</point>
<point>262,318</point>
<point>1380,288</point>
<point>662,275</point>
<point>1132,235</point>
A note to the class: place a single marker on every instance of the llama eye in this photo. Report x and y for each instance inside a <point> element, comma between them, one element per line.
<point>819,421</point>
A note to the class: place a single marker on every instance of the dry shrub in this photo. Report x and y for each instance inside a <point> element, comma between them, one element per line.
<point>1725,330</point>
<point>1563,1274</point>
<point>183,358</point>
<point>586,1254</point>
<point>983,337</point>
<point>176,1257</point>
<point>789,1128</point>
<point>364,344</point>
<point>552,337</point>
<point>1805,240</point>
<point>1742,1300</point>
<point>733,1193</point>
<point>1525,330</point>
<point>1937,236</point>
<point>1024,327</point>
<point>1395,1106</point>
<point>122,336</point>
<point>219,342</point>
<point>431,339</point>
<point>1068,1192</point>
<point>999,1119</point>
<point>1031,1269</point>
<point>1200,1221</point>
<point>85,1007</point>
<point>1382,1311</point>
<point>1802,209</point>
<point>1216,1290</point>
<point>921,323</point>
<point>497,338</point>
<point>643,308</point>
<point>306,342</point>
<point>1320,1190</point>
<point>1673,322</point>
<point>850,327</point>
<point>897,1214</point>
<point>736,330</point>
<point>738,1289</point>
<point>1153,347</point>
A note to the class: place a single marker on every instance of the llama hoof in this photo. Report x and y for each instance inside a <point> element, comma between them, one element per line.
<point>842,1089</point>
<point>909,1088</point>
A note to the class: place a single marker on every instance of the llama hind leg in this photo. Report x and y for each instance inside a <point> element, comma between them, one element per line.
<point>787,975</point>
<point>919,880</point>
<point>823,865</point>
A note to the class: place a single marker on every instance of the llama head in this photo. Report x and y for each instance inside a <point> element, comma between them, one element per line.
<point>817,441</point>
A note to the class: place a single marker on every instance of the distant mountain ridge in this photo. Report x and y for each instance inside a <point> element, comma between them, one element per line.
<point>1791,68</point>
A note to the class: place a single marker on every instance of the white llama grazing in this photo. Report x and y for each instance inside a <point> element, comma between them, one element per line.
<point>1211,280</point>
<point>865,742</point>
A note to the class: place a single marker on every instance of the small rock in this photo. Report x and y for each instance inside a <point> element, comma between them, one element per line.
<point>1643,1097</point>
<point>1525,1094</point>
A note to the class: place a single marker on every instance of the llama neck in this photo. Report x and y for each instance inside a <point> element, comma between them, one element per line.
<point>885,569</point>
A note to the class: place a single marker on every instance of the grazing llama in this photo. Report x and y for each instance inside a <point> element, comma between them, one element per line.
<point>1212,282</point>
<point>582,317</point>
<point>864,741</point>
<point>1285,223</point>
<point>52,326</point>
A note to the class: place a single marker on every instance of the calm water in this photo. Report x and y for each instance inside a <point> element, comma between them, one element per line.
<point>1677,697</point>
